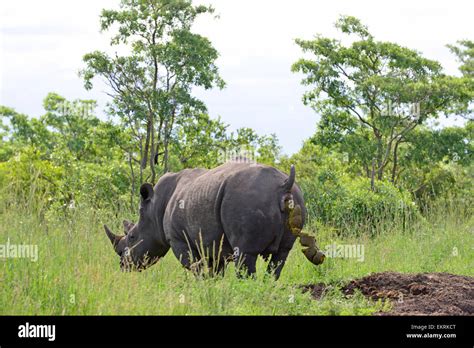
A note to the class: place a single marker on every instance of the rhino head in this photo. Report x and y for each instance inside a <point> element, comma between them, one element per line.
<point>142,244</point>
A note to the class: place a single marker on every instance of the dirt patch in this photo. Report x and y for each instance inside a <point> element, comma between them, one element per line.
<point>413,294</point>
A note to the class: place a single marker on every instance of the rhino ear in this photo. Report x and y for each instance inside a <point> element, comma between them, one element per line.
<point>146,191</point>
<point>127,226</point>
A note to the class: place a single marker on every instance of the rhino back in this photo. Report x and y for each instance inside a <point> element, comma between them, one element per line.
<point>194,207</point>
<point>235,201</point>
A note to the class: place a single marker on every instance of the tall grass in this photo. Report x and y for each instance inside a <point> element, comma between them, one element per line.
<point>77,272</point>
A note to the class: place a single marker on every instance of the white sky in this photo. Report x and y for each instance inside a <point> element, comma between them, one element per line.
<point>42,44</point>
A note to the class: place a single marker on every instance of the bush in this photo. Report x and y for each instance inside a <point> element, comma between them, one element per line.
<point>351,207</point>
<point>58,183</point>
<point>446,183</point>
<point>337,198</point>
<point>29,180</point>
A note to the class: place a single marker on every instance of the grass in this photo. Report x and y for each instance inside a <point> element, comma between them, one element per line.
<point>77,272</point>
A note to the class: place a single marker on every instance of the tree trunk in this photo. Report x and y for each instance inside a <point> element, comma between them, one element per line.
<point>132,193</point>
<point>168,129</point>
<point>147,145</point>
<point>395,162</point>
<point>140,144</point>
<point>165,145</point>
<point>372,176</point>
<point>152,151</point>
<point>379,158</point>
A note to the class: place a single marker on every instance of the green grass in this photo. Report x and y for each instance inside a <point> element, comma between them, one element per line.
<point>77,272</point>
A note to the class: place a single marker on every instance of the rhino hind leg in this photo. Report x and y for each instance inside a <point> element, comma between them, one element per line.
<point>245,264</point>
<point>277,262</point>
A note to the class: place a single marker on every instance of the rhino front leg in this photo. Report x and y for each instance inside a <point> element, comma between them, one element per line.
<point>184,254</point>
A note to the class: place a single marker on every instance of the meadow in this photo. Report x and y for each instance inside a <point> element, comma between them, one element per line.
<point>77,272</point>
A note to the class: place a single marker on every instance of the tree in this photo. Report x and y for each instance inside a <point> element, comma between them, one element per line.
<point>263,149</point>
<point>198,141</point>
<point>151,88</point>
<point>269,150</point>
<point>68,153</point>
<point>20,130</point>
<point>374,91</point>
<point>432,156</point>
<point>464,51</point>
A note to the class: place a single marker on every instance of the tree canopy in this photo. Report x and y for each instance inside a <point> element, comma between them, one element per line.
<point>372,94</point>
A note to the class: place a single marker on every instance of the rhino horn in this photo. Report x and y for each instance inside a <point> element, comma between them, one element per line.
<point>127,226</point>
<point>113,238</point>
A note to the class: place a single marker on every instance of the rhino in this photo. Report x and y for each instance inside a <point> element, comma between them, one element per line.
<point>234,212</point>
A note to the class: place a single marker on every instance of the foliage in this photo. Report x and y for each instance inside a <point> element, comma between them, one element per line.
<point>464,50</point>
<point>344,202</point>
<point>151,88</point>
<point>374,93</point>
<point>66,157</point>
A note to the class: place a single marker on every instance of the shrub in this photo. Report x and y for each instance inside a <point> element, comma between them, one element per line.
<point>351,207</point>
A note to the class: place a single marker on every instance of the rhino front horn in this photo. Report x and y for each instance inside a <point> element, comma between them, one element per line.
<point>113,238</point>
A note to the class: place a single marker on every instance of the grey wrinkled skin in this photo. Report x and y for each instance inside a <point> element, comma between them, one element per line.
<point>235,211</point>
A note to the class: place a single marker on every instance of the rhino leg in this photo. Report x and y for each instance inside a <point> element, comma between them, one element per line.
<point>191,259</point>
<point>277,262</point>
<point>217,266</point>
<point>219,256</point>
<point>184,254</point>
<point>245,264</point>
<point>278,259</point>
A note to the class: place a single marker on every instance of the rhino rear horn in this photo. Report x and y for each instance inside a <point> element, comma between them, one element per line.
<point>113,238</point>
<point>127,226</point>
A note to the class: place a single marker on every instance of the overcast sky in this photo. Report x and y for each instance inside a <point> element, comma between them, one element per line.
<point>42,44</point>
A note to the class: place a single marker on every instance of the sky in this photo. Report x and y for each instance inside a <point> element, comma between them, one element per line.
<point>42,44</point>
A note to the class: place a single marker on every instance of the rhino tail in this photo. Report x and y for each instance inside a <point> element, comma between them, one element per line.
<point>288,184</point>
<point>286,201</point>
<point>308,242</point>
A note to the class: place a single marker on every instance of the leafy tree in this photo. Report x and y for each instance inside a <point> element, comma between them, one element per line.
<point>374,93</point>
<point>269,149</point>
<point>71,122</point>
<point>151,88</point>
<point>68,154</point>
<point>464,50</point>
<point>20,130</point>
<point>263,149</point>
<point>198,141</point>
<point>346,203</point>
<point>436,161</point>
